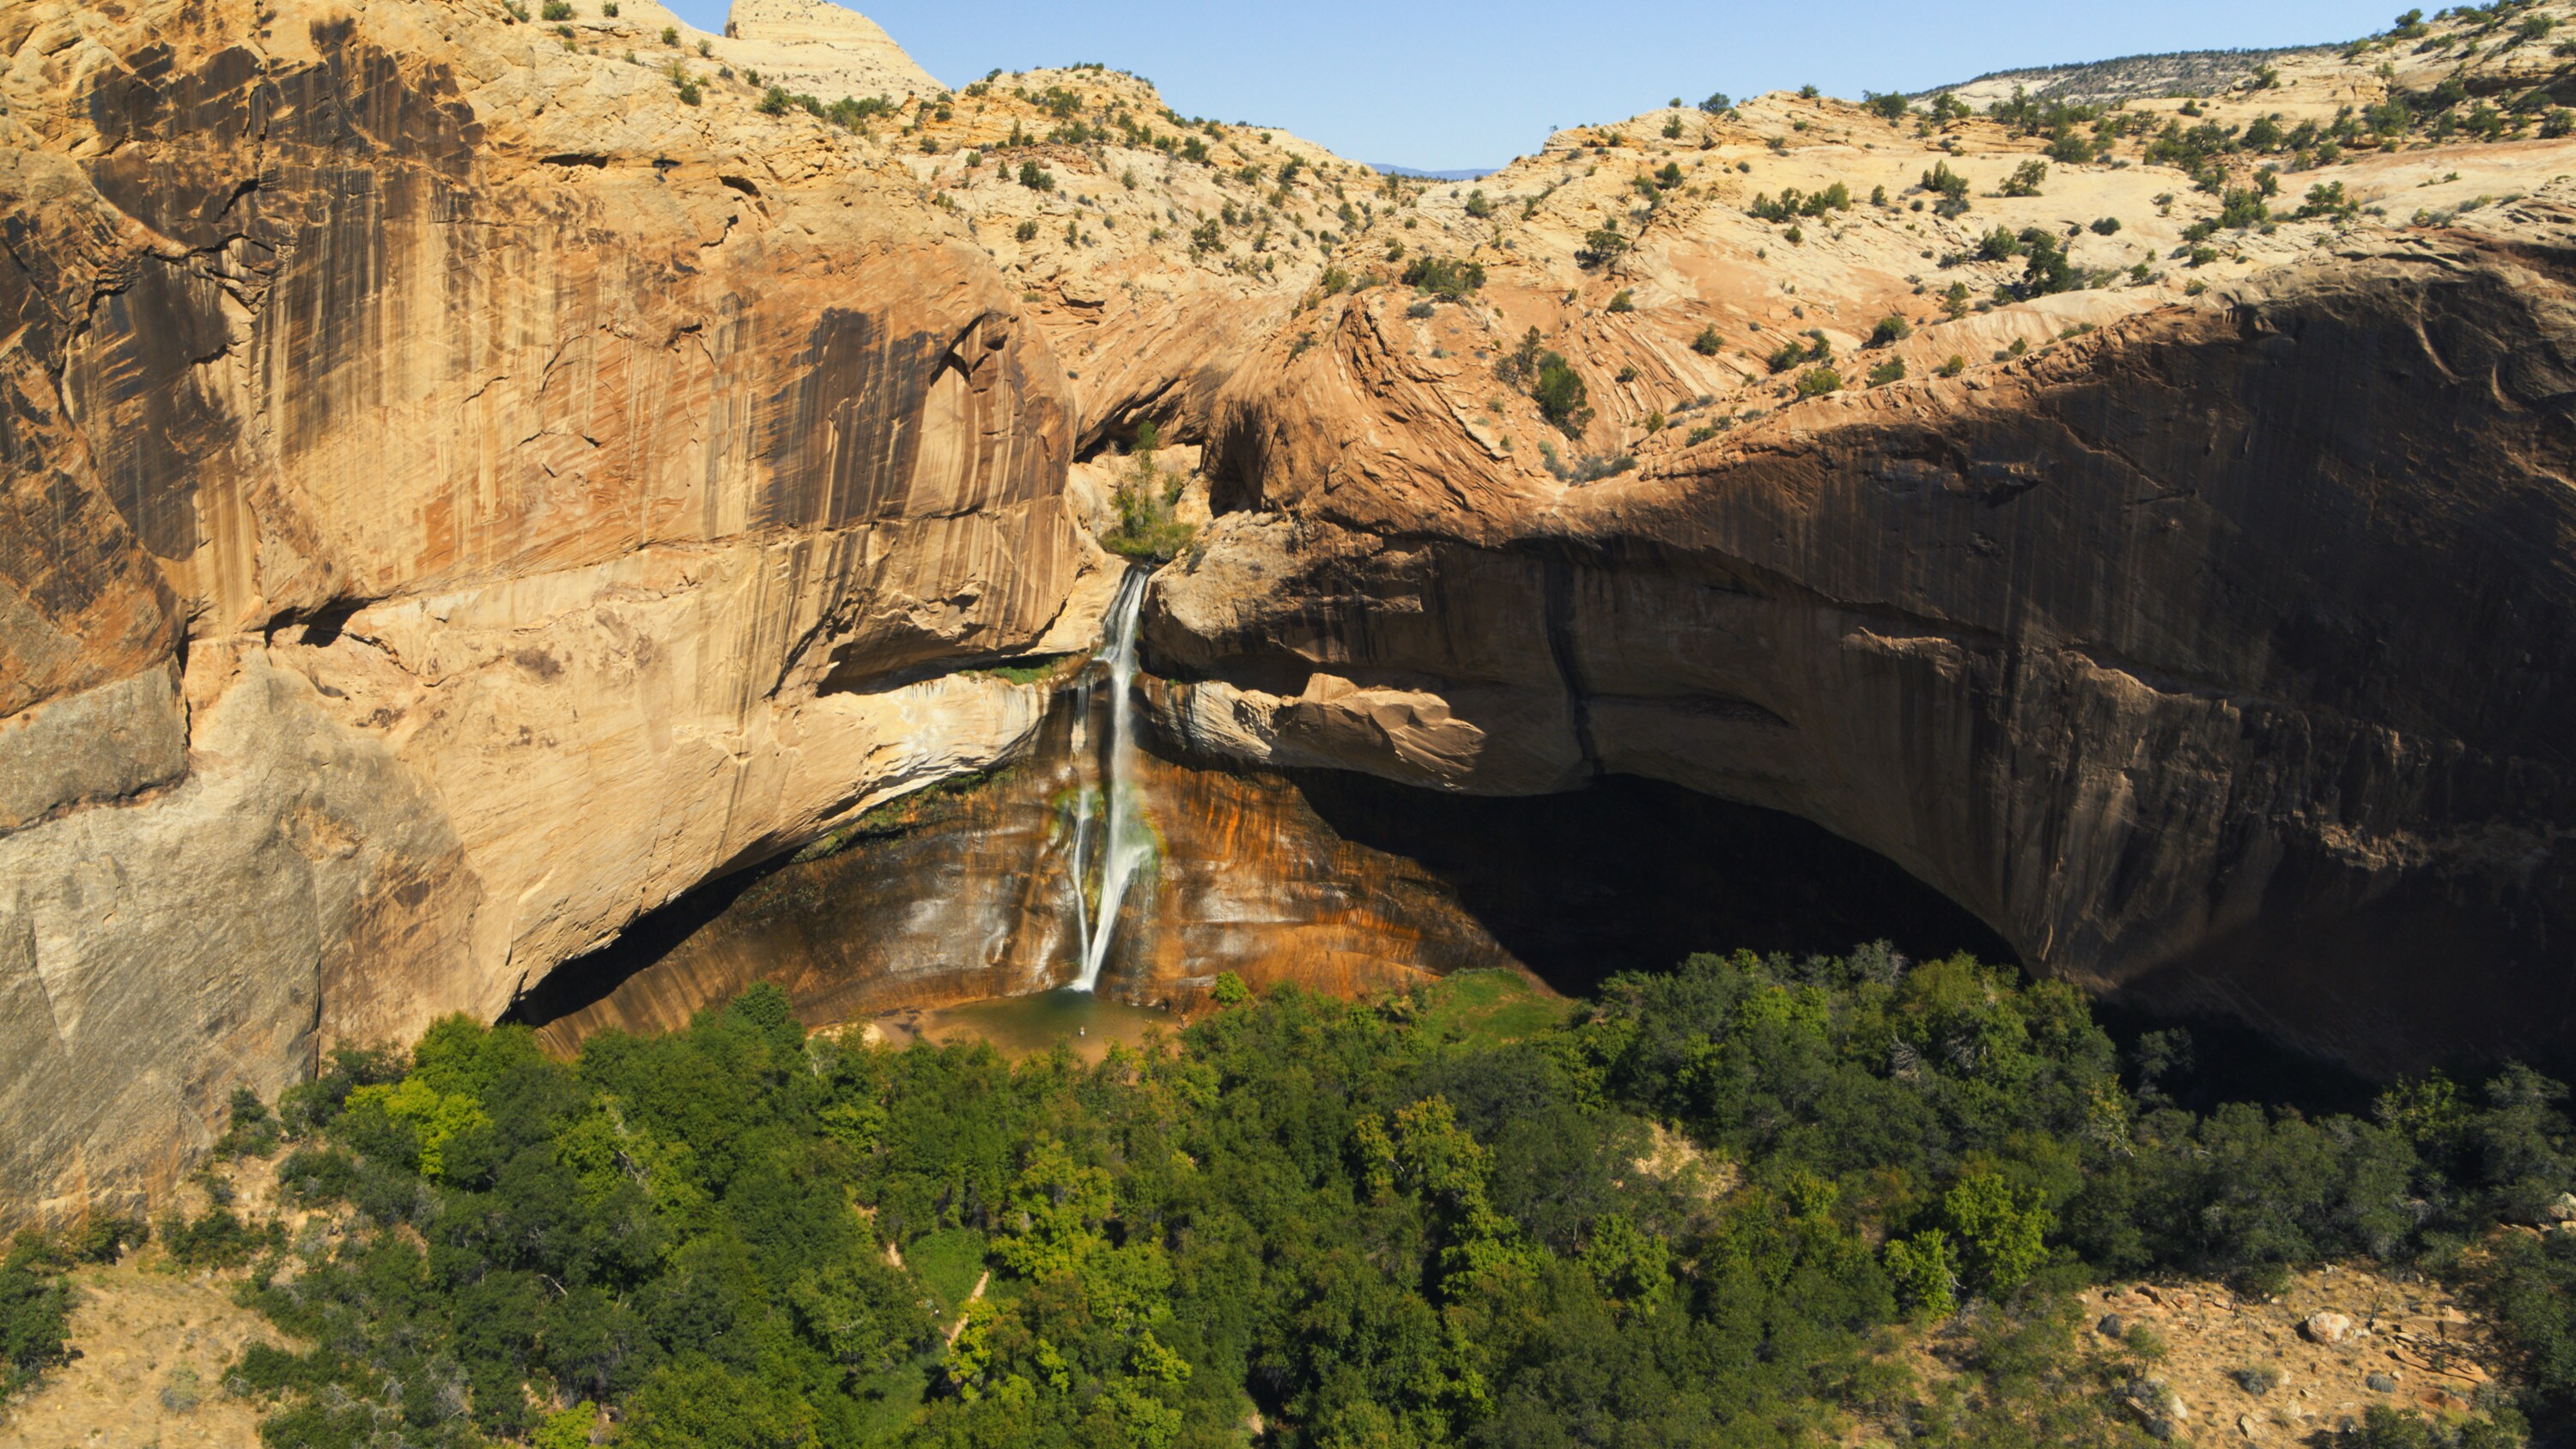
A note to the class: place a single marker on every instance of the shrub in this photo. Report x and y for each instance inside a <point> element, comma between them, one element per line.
<point>670,35</point>
<point>2026,179</point>
<point>253,1130</point>
<point>1949,185</point>
<point>1818,381</point>
<point>1600,244</point>
<point>35,1313</point>
<point>1146,529</point>
<point>1622,300</point>
<point>2327,198</point>
<point>1716,103</point>
<point>1444,278</point>
<point>774,101</point>
<point>1953,365</point>
<point>1890,107</point>
<point>2106,226</point>
<point>1794,203</point>
<point>608,8</point>
<point>1923,1273</point>
<point>1792,353</point>
<point>105,1237</point>
<point>218,1238</point>
<point>2045,267</point>
<point>1478,206</point>
<point>1890,329</point>
<point>1708,343</point>
<point>1559,392</point>
<point>1036,177</point>
<point>555,10</point>
<point>1026,231</point>
<point>1892,370</point>
<point>2239,209</point>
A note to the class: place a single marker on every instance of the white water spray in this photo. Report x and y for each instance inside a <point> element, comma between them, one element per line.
<point>1125,842</point>
<point>1081,862</point>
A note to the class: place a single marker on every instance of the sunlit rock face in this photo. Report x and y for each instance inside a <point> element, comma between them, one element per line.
<point>454,497</point>
<point>2225,657</point>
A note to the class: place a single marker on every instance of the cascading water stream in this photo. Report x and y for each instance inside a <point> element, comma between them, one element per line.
<point>1125,843</point>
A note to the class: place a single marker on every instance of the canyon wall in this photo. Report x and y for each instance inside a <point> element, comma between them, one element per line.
<point>467,482</point>
<point>2222,658</point>
<point>459,496</point>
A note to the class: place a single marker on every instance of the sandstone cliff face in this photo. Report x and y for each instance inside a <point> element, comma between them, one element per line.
<point>458,497</point>
<point>464,483</point>
<point>967,894</point>
<point>2219,658</point>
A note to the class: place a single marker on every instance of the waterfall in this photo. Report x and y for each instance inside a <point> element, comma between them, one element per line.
<point>1125,841</point>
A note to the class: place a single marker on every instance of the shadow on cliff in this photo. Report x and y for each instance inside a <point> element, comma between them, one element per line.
<point>1631,874</point>
<point>586,980</point>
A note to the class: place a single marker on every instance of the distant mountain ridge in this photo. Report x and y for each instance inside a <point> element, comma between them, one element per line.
<point>1470,174</point>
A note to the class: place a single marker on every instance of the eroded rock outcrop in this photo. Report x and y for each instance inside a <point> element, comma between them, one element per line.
<point>459,495</point>
<point>2218,658</point>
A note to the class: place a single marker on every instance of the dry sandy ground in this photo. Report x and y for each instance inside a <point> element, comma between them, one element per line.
<point>154,1347</point>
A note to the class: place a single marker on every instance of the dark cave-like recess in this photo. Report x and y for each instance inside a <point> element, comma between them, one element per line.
<point>1631,874</point>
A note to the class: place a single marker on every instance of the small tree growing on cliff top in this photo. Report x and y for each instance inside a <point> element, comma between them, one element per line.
<point>1601,244</point>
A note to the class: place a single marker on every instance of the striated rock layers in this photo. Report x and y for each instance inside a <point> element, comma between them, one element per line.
<point>455,495</point>
<point>2225,657</point>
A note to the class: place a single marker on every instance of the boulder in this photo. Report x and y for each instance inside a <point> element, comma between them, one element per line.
<point>2327,1328</point>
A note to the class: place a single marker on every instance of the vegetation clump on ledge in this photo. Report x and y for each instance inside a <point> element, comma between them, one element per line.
<point>1145,497</point>
<point>1704,1208</point>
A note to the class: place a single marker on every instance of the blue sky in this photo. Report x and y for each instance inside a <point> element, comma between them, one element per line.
<point>1452,86</point>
